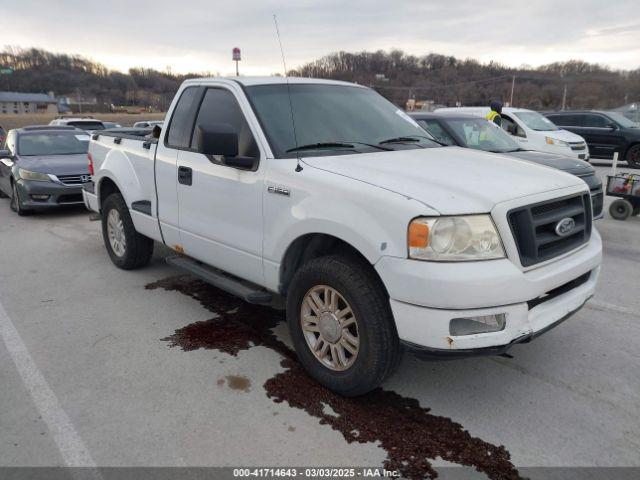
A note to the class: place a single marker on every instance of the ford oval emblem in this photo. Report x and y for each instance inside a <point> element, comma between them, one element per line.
<point>565,226</point>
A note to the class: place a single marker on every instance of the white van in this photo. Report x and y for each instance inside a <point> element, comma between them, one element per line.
<point>533,131</point>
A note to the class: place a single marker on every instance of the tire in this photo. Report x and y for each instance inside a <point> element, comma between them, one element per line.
<point>15,204</point>
<point>620,209</point>
<point>129,250</point>
<point>633,156</point>
<point>636,208</point>
<point>357,286</point>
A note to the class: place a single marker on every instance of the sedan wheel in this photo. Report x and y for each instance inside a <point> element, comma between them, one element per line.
<point>15,203</point>
<point>330,328</point>
<point>633,156</point>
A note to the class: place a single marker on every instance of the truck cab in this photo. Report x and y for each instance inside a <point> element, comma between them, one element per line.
<point>325,198</point>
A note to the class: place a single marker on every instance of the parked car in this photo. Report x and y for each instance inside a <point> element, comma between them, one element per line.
<point>376,237</point>
<point>3,136</point>
<point>148,124</point>
<point>533,131</point>
<point>89,125</point>
<point>43,167</point>
<point>474,132</point>
<point>605,132</point>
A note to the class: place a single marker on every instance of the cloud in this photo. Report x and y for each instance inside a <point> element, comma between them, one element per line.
<point>198,35</point>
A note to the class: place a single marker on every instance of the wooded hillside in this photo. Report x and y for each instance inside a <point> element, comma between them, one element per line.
<point>399,76</point>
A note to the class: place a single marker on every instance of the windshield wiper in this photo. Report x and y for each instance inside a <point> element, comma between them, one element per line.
<point>315,146</point>
<point>400,140</point>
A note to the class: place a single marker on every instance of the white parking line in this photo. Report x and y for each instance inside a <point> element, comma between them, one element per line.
<point>71,446</point>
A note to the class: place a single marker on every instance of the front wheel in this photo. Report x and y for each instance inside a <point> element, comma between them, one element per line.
<point>633,156</point>
<point>16,204</point>
<point>126,247</point>
<point>341,324</point>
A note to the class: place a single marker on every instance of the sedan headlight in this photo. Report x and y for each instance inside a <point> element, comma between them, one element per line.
<point>555,141</point>
<point>35,176</point>
<point>454,239</point>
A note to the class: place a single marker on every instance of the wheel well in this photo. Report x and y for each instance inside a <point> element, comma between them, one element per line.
<point>308,247</point>
<point>629,147</point>
<point>107,187</point>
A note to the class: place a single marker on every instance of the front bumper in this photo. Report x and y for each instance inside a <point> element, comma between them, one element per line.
<point>426,296</point>
<point>31,193</point>
<point>89,197</point>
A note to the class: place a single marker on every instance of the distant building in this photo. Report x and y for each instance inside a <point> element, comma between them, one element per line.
<point>21,103</point>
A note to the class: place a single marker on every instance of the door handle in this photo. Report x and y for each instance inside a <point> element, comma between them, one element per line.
<point>185,175</point>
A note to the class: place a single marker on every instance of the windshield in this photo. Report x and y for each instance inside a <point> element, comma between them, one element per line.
<point>535,121</point>
<point>482,135</point>
<point>87,125</point>
<point>53,144</point>
<point>623,121</point>
<point>329,115</point>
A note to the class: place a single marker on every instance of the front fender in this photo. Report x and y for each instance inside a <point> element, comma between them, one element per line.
<point>373,220</point>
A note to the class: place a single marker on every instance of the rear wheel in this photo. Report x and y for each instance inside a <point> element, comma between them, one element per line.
<point>621,209</point>
<point>633,156</point>
<point>16,203</point>
<point>127,248</point>
<point>341,324</point>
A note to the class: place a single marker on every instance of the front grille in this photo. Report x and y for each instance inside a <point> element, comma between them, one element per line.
<point>534,228</point>
<point>74,179</point>
<point>556,292</point>
<point>70,198</point>
<point>577,145</point>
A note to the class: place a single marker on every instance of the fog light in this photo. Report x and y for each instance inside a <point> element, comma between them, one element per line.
<point>480,324</point>
<point>40,197</point>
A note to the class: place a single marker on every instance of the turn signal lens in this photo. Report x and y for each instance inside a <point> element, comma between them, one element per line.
<point>418,234</point>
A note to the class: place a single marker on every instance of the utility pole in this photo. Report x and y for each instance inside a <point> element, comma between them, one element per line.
<point>564,97</point>
<point>513,86</point>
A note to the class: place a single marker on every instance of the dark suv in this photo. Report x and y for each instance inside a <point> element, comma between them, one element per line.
<point>605,132</point>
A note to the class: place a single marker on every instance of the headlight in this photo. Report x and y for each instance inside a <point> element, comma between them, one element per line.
<point>36,176</point>
<point>555,141</point>
<point>449,239</point>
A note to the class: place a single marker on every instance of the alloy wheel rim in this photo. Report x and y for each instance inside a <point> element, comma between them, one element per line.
<point>14,198</point>
<point>330,327</point>
<point>115,232</point>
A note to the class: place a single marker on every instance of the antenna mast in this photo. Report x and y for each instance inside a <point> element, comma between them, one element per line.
<point>286,78</point>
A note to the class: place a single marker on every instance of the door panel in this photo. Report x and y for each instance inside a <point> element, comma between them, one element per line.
<point>221,216</point>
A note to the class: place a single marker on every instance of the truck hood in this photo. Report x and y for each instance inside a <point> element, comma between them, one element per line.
<point>566,164</point>
<point>449,180</point>
<point>55,164</point>
<point>564,135</point>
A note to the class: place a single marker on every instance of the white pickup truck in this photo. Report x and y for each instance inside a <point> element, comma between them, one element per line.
<point>325,194</point>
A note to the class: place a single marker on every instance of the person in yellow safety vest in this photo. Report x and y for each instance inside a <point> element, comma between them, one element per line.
<point>495,114</point>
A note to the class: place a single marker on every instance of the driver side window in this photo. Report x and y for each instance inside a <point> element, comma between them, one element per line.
<point>220,106</point>
<point>511,127</point>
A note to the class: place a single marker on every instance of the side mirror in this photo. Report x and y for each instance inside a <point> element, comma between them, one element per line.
<point>221,139</point>
<point>612,126</point>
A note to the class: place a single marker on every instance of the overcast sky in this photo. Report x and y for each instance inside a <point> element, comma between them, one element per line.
<point>198,35</point>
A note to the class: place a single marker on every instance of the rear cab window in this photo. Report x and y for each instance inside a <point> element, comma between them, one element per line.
<point>180,127</point>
